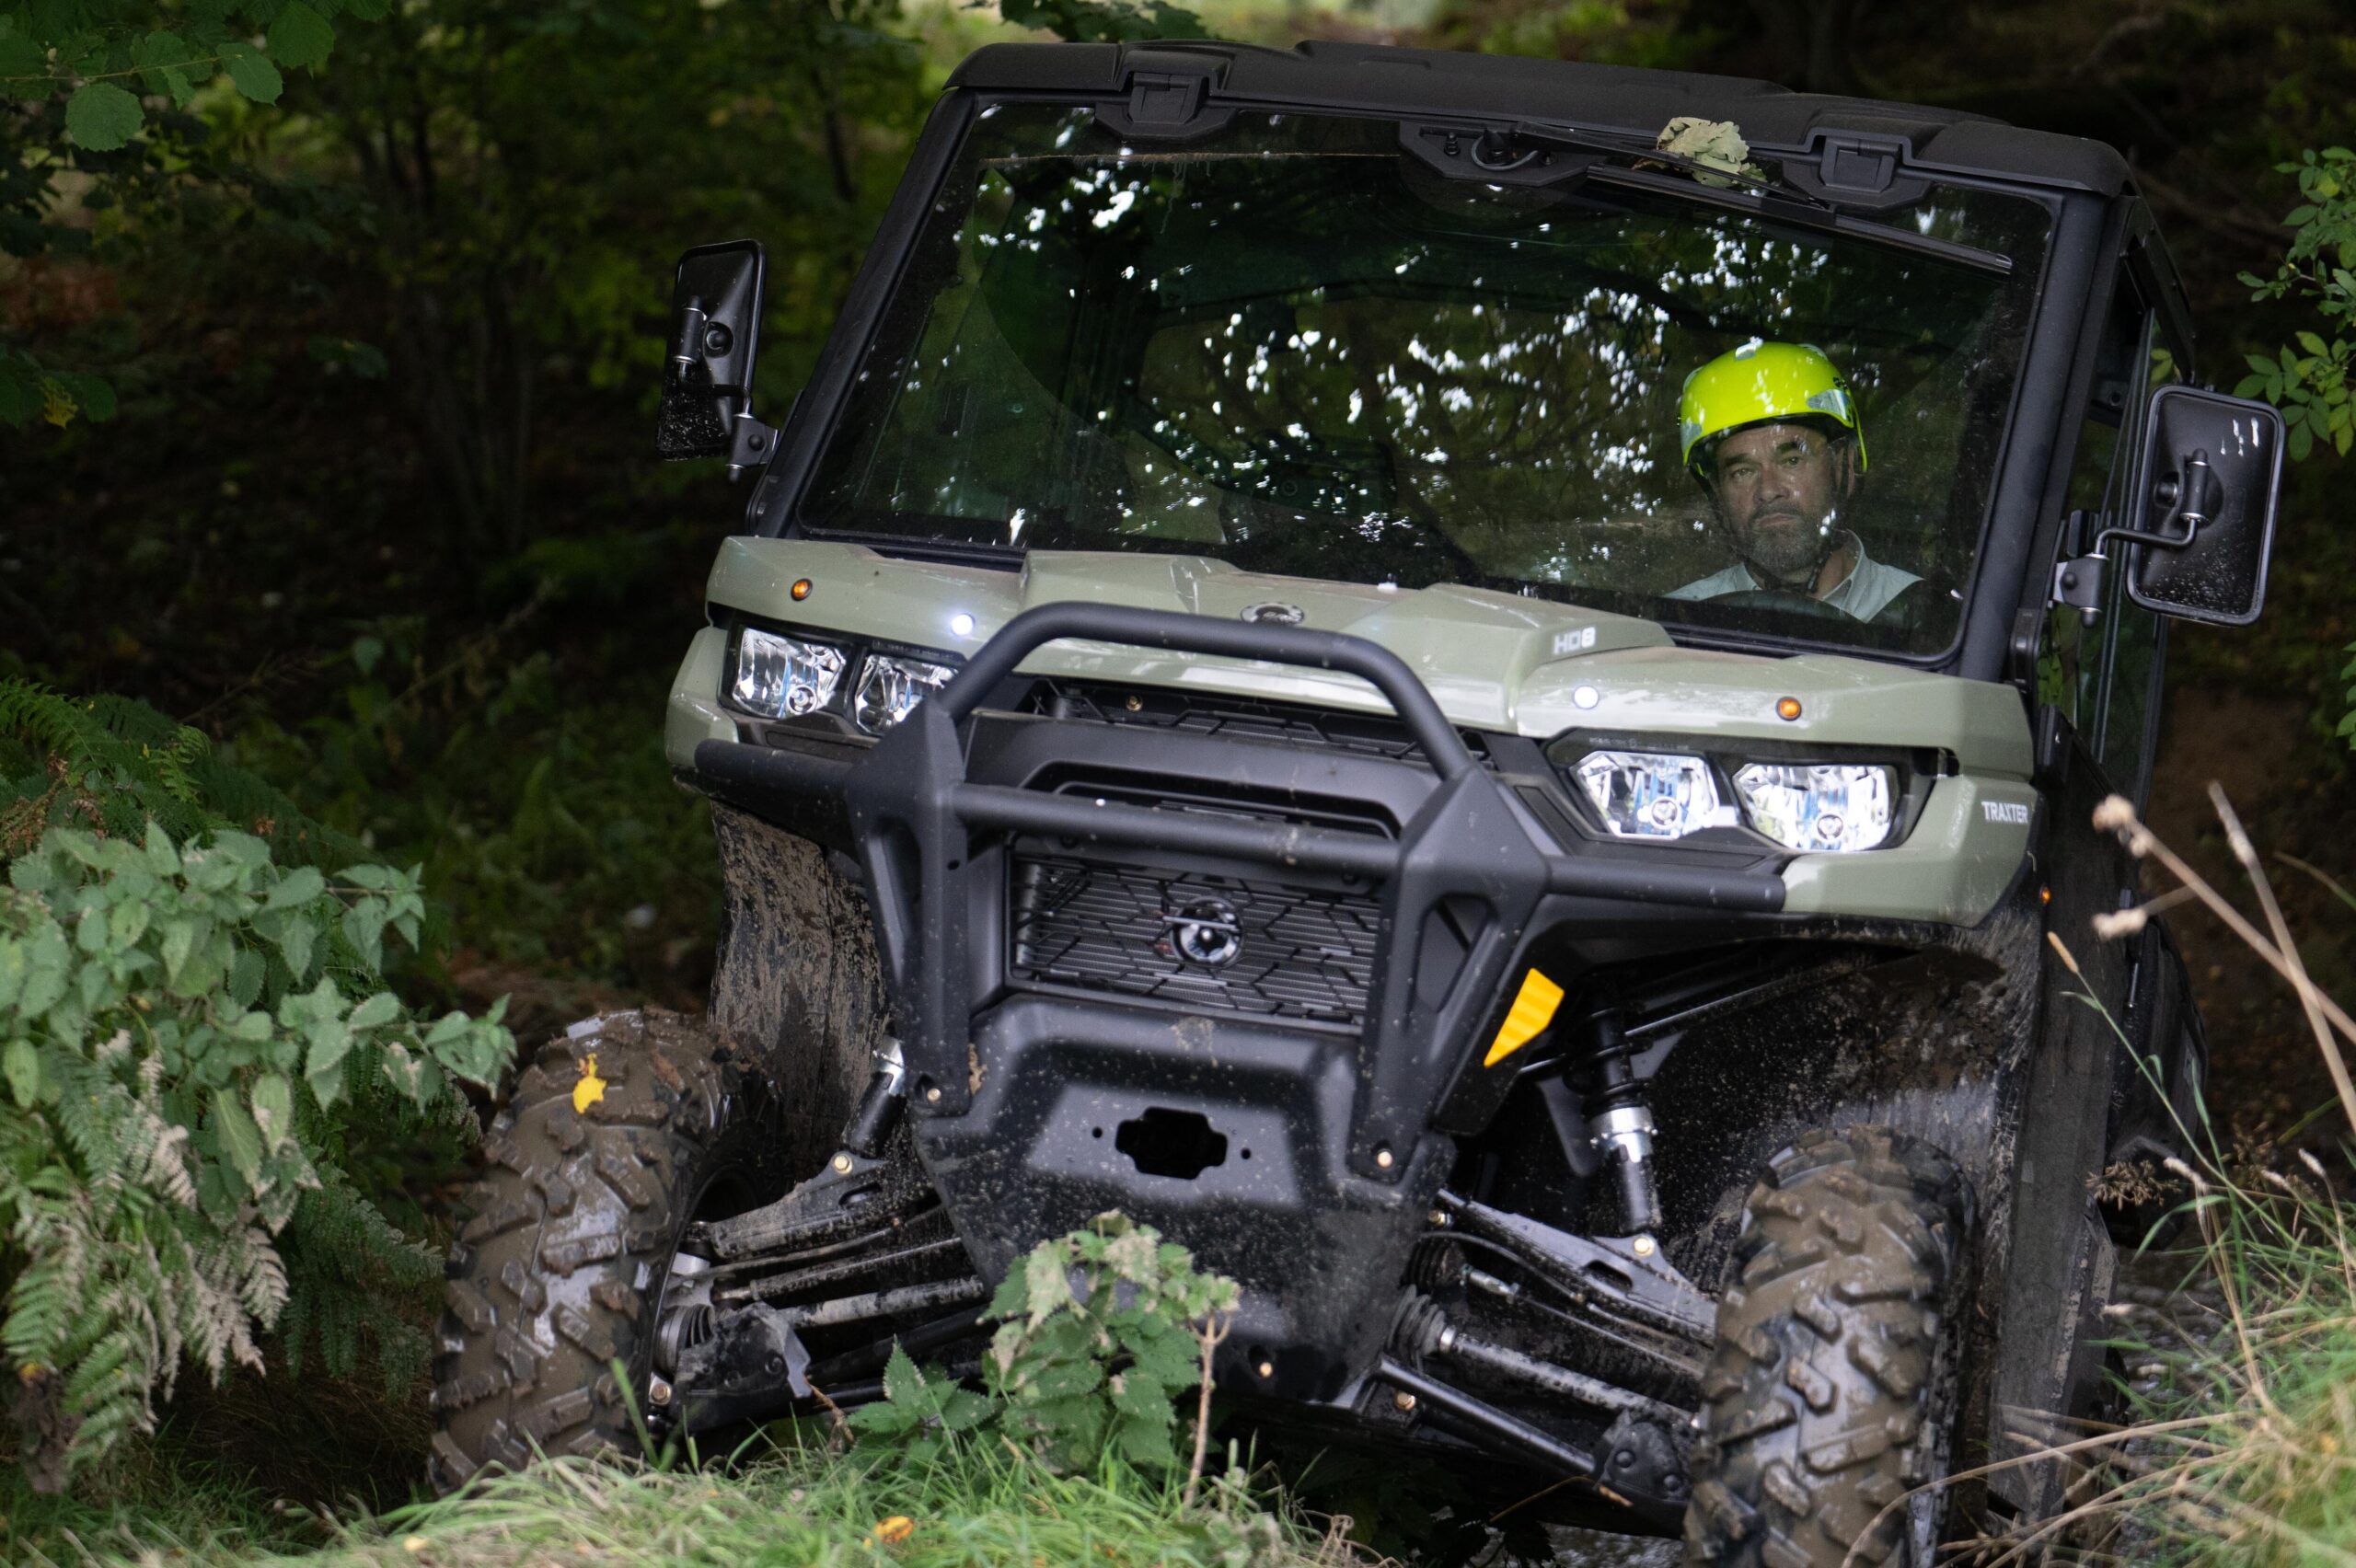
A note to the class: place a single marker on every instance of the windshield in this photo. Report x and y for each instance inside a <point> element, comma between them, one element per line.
<point>1297,347</point>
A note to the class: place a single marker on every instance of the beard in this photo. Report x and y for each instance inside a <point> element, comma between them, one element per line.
<point>1785,546</point>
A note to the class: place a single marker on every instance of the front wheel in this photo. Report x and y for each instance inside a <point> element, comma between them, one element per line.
<point>1830,1396</point>
<point>620,1133</point>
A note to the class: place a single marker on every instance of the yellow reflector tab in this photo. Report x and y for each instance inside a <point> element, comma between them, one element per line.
<point>1533,1009</point>
<point>592,1089</point>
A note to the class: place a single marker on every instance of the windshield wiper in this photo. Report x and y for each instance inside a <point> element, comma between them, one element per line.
<point>1711,181</point>
<point>1581,142</point>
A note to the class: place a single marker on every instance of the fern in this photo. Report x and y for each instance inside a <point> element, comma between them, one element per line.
<point>187,1031</point>
<point>113,764</point>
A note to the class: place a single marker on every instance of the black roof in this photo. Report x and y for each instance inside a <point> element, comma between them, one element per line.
<point>1371,77</point>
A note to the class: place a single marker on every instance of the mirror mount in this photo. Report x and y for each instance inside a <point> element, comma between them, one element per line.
<point>2212,515</point>
<point>708,380</point>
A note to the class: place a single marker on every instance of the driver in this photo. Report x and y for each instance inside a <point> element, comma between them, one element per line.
<point>1771,431</point>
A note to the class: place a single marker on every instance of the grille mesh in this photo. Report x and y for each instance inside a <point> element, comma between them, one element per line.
<point>1300,952</point>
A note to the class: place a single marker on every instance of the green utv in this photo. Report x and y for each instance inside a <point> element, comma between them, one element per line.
<point>1472,686</point>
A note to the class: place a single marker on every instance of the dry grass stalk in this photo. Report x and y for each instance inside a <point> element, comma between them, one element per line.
<point>2310,997</point>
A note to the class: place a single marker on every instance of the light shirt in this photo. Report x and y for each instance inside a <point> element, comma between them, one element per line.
<point>1864,593</point>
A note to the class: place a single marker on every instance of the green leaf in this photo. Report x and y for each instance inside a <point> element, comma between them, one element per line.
<point>1067,1378</point>
<point>240,1139</point>
<point>906,1387</point>
<point>14,965</point>
<point>251,72</point>
<point>253,1028</point>
<point>127,923</point>
<point>22,1064</point>
<point>415,1076</point>
<point>247,970</point>
<point>297,937</point>
<point>273,1100</point>
<point>380,1008</point>
<point>49,966</point>
<point>883,1419</point>
<point>21,402</point>
<point>1046,1285</point>
<point>163,61</point>
<point>1137,1394</point>
<point>962,1410</point>
<point>1146,1444</point>
<point>21,57</point>
<point>102,117</point>
<point>300,38</point>
<point>2313,344</point>
<point>163,857</point>
<point>363,928</point>
<point>301,885</point>
<point>329,1041</point>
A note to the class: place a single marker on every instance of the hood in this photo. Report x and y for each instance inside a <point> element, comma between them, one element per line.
<point>1493,660</point>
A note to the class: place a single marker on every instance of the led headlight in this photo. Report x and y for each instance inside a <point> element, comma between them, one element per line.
<point>1819,805</point>
<point>890,687</point>
<point>780,675</point>
<point>1651,794</point>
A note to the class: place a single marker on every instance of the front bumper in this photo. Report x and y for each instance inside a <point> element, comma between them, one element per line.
<point>1300,1155</point>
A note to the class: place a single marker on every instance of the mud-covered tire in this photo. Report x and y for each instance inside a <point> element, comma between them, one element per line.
<point>593,1172</point>
<point>1831,1394</point>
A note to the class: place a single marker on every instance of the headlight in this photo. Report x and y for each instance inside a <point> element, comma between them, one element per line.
<point>781,675</point>
<point>890,687</point>
<point>1652,794</point>
<point>1820,806</point>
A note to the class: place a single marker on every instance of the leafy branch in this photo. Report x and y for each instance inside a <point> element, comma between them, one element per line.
<point>76,68</point>
<point>2307,378</point>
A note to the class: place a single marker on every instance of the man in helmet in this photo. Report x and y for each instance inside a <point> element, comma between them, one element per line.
<point>1771,430</point>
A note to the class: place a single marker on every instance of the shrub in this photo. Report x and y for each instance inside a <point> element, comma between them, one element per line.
<point>1101,1329</point>
<point>186,1031</point>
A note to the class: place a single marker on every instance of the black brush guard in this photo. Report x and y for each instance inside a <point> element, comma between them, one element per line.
<point>1302,1161</point>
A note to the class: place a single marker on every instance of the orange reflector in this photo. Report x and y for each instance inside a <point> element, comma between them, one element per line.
<point>800,589</point>
<point>1788,708</point>
<point>1533,1009</point>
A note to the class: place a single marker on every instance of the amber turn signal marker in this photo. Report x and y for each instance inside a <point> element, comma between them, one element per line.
<point>1532,1010</point>
<point>1788,708</point>
<point>800,589</point>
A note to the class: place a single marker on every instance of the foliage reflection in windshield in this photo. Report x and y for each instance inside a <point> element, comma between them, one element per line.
<point>1297,347</point>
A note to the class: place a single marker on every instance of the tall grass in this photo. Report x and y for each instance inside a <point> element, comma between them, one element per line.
<point>977,1504</point>
<point>2242,1447</point>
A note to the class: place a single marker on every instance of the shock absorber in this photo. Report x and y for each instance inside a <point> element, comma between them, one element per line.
<point>1620,1122</point>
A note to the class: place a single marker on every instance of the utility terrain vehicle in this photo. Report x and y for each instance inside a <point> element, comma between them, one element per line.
<point>1482,720</point>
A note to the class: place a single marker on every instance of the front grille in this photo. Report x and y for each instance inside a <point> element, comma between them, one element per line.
<point>1257,948</point>
<point>1229,718</point>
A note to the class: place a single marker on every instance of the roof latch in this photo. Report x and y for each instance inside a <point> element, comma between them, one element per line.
<point>1166,99</point>
<point>1166,94</point>
<point>1863,170</point>
<point>1853,163</point>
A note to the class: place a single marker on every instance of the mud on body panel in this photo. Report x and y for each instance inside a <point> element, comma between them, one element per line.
<point>797,988</point>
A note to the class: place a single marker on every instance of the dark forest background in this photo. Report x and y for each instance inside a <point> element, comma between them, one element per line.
<point>376,511</point>
<point>376,508</point>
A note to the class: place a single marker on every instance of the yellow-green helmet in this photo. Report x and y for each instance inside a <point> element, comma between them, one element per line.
<point>1763,381</point>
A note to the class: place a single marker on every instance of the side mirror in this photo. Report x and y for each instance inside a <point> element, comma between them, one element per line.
<point>2213,470</point>
<point>707,381</point>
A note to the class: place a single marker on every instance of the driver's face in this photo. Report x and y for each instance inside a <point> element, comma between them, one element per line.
<point>1777,487</point>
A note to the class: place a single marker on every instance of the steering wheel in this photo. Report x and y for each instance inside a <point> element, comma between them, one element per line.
<point>1785,600</point>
